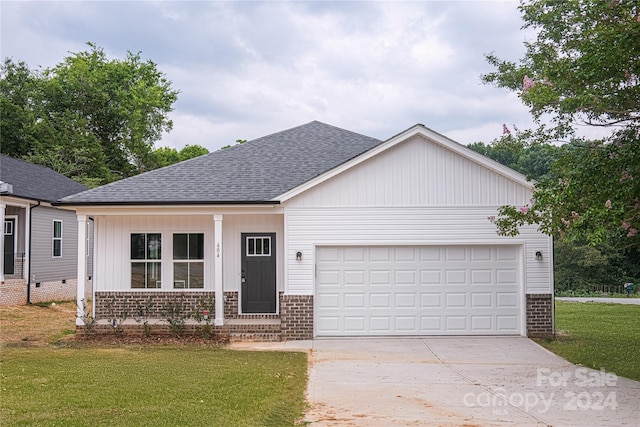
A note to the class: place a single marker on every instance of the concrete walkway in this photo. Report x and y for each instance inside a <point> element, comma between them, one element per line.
<point>461,381</point>
<point>635,301</point>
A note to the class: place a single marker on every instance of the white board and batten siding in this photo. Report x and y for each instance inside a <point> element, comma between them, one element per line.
<point>113,267</point>
<point>113,242</point>
<point>417,197</point>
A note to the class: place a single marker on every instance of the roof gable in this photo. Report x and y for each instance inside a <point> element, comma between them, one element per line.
<point>424,132</point>
<point>36,182</point>
<point>257,171</point>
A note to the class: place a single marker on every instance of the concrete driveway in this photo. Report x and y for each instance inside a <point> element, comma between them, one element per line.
<point>460,381</point>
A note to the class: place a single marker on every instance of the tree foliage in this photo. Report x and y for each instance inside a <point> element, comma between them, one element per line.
<point>582,68</point>
<point>89,117</point>
<point>165,156</point>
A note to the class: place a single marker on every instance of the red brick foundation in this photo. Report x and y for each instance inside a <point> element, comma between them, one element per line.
<point>296,315</point>
<point>540,315</point>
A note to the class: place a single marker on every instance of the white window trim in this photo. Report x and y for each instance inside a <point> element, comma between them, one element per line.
<point>263,238</point>
<point>146,261</point>
<point>189,261</point>
<point>54,238</point>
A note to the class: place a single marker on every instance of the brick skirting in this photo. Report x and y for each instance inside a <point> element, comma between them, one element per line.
<point>14,292</point>
<point>540,315</point>
<point>110,305</point>
<point>296,315</point>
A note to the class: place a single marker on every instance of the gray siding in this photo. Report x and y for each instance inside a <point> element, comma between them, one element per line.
<point>44,267</point>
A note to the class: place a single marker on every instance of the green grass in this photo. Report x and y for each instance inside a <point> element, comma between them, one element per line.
<point>185,385</point>
<point>598,335</point>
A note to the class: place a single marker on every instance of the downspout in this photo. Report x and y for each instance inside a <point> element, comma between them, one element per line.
<point>30,254</point>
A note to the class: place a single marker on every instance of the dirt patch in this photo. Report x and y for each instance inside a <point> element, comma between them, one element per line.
<point>36,324</point>
<point>55,323</point>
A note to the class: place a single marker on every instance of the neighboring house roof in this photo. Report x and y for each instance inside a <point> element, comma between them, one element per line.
<point>257,171</point>
<point>36,182</point>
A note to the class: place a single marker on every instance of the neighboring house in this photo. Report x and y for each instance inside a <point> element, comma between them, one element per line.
<point>331,232</point>
<point>39,245</point>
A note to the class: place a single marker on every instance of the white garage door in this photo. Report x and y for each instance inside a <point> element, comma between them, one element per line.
<point>452,290</point>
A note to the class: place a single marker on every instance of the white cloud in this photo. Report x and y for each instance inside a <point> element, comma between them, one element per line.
<point>246,69</point>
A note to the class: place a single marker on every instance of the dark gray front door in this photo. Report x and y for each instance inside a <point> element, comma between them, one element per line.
<point>9,243</point>
<point>258,273</point>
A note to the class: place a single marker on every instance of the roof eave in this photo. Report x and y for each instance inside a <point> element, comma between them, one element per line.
<point>169,203</point>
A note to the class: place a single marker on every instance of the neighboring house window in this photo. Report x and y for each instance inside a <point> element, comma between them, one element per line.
<point>146,252</point>
<point>258,246</point>
<point>57,238</point>
<point>188,261</point>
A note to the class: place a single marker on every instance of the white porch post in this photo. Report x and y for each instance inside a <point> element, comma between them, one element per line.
<point>82,268</point>
<point>2,208</point>
<point>217,265</point>
<point>26,272</point>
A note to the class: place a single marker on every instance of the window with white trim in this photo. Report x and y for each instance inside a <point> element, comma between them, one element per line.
<point>259,246</point>
<point>57,238</point>
<point>146,267</point>
<point>188,261</point>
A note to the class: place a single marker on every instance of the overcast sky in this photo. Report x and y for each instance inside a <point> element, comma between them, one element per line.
<point>248,69</point>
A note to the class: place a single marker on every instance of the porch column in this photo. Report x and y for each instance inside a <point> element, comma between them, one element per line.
<point>217,266</point>
<point>82,268</point>
<point>2,208</point>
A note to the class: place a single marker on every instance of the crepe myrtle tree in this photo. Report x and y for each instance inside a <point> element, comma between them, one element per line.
<point>583,68</point>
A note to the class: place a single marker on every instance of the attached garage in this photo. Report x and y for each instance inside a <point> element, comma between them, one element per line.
<point>418,290</point>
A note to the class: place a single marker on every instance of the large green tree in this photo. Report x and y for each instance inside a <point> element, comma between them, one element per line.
<point>583,68</point>
<point>91,118</point>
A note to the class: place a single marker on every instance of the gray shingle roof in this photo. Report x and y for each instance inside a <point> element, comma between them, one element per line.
<point>254,172</point>
<point>35,182</point>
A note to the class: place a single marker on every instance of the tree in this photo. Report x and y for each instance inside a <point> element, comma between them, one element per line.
<point>92,118</point>
<point>17,93</point>
<point>582,68</point>
<point>166,156</point>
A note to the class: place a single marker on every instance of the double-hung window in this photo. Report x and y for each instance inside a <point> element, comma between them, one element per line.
<point>57,238</point>
<point>146,267</point>
<point>188,261</point>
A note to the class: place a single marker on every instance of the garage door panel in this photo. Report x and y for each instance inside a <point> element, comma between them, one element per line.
<point>431,254</point>
<point>431,324</point>
<point>354,301</point>
<point>481,299</point>
<point>404,277</point>
<point>481,254</point>
<point>479,277</point>
<point>327,301</point>
<point>430,300</point>
<point>482,323</point>
<point>506,299</point>
<point>418,291</point>
<point>455,277</point>
<point>380,277</point>
<point>353,255</point>
<point>329,278</point>
<point>506,276</point>
<point>407,300</point>
<point>380,324</point>
<point>456,254</point>
<point>354,324</point>
<point>406,324</point>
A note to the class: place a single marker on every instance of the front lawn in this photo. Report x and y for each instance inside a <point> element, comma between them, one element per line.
<point>49,379</point>
<point>598,335</point>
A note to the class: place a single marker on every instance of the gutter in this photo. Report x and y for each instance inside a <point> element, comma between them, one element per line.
<point>168,203</point>
<point>30,254</point>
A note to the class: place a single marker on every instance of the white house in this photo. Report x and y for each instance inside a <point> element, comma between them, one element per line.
<point>331,232</point>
